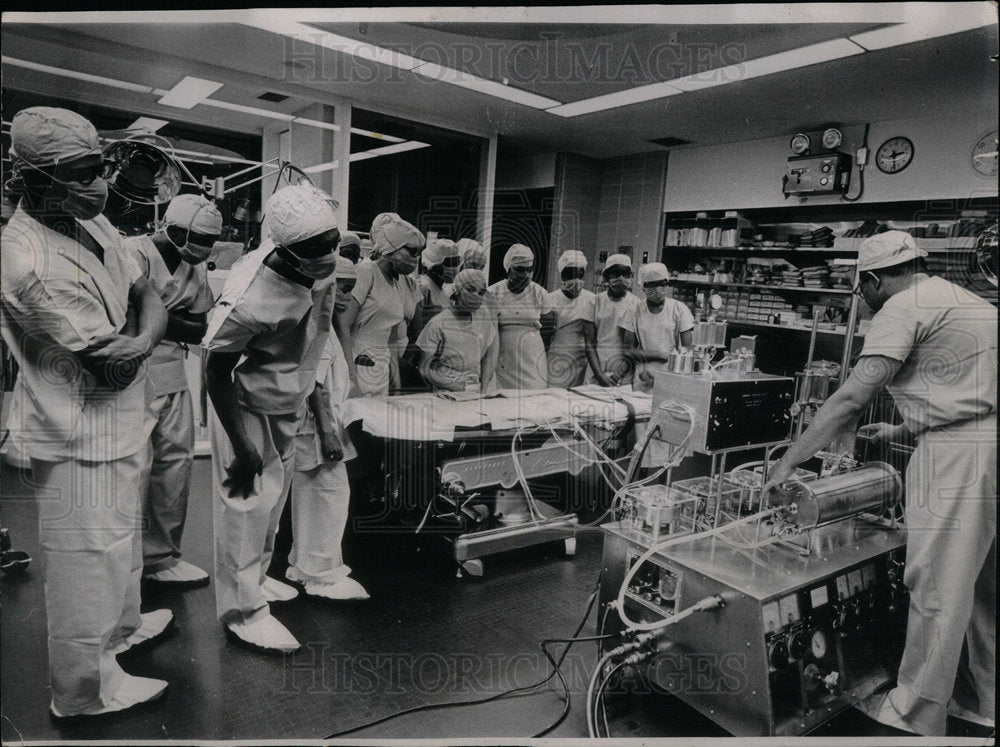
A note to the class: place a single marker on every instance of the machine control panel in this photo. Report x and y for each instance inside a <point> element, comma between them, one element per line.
<point>655,588</point>
<point>817,638</point>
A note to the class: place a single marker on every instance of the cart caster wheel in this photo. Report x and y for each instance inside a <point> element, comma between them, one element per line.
<point>473,567</point>
<point>570,544</point>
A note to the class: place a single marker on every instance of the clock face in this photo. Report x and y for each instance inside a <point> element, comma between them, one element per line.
<point>984,155</point>
<point>894,155</point>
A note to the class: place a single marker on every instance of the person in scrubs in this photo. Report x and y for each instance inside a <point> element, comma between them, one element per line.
<point>460,345</point>
<point>611,306</point>
<point>574,334</point>
<point>81,321</point>
<point>173,261</point>
<point>350,247</point>
<point>522,310</point>
<point>265,339</point>
<point>472,253</point>
<point>440,261</point>
<point>321,494</point>
<point>385,299</point>
<point>933,344</point>
<point>654,329</point>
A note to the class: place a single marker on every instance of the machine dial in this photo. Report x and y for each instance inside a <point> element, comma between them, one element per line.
<point>817,644</point>
<point>800,143</point>
<point>832,138</point>
<point>984,155</point>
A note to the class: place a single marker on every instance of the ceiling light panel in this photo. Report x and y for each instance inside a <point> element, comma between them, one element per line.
<point>189,92</point>
<point>377,135</point>
<point>150,124</point>
<point>74,74</point>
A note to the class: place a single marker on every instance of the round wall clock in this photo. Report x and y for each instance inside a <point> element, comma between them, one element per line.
<point>894,155</point>
<point>984,155</point>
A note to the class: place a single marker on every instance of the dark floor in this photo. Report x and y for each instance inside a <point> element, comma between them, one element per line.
<point>424,637</point>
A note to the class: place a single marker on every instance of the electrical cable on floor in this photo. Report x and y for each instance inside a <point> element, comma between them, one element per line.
<point>599,698</point>
<point>507,693</point>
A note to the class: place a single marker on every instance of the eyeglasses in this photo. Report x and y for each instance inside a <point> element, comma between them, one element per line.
<point>522,269</point>
<point>572,273</point>
<point>616,273</point>
<point>474,290</point>
<point>414,251</point>
<point>656,284</point>
<point>857,288</point>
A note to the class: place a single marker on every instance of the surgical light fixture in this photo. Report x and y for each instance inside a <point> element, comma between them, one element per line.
<point>189,92</point>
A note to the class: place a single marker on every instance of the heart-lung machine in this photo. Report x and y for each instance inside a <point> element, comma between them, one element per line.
<point>769,620</point>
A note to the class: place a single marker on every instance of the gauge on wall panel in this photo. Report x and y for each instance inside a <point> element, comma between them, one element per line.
<point>984,155</point>
<point>894,154</point>
<point>832,138</point>
<point>817,644</point>
<point>800,143</point>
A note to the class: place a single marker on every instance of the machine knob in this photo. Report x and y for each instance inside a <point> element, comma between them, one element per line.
<point>798,644</point>
<point>777,653</point>
<point>824,180</point>
<point>826,167</point>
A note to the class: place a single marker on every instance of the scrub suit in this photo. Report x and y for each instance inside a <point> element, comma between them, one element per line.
<point>460,343</point>
<point>658,334</point>
<point>321,494</point>
<point>87,445</point>
<point>946,339</point>
<point>567,358</point>
<point>166,499</point>
<point>385,307</point>
<point>281,327</point>
<point>608,313</point>
<point>522,361</point>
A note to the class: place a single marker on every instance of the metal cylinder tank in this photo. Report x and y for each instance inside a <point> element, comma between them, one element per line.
<point>875,488</point>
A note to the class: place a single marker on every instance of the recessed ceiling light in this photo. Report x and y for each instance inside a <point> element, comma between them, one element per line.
<point>189,92</point>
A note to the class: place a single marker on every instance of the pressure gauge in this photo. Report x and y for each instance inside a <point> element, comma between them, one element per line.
<point>817,644</point>
<point>832,138</point>
<point>800,143</point>
<point>715,301</point>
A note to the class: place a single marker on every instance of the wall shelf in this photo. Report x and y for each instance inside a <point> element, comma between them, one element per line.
<point>765,287</point>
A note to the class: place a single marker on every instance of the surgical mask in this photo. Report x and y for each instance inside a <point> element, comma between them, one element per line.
<point>403,261</point>
<point>193,254</point>
<point>655,293</point>
<point>316,268</point>
<point>85,202</point>
<point>572,287</point>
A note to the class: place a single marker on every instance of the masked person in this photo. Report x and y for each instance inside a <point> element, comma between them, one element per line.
<point>933,344</point>
<point>265,339</point>
<point>440,260</point>
<point>459,345</point>
<point>172,260</point>
<point>350,247</point>
<point>611,306</point>
<point>321,494</point>
<point>80,320</point>
<point>573,344</point>
<point>385,299</point>
<point>522,309</point>
<point>654,329</point>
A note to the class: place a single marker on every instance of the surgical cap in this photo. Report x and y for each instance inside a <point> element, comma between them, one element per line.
<point>390,232</point>
<point>44,135</point>
<point>653,271</point>
<point>887,249</point>
<point>194,213</point>
<point>470,247</point>
<point>437,251</point>
<point>298,212</point>
<point>517,253</point>
<point>620,260</point>
<point>345,268</point>
<point>476,278</point>
<point>571,258</point>
<point>349,238</point>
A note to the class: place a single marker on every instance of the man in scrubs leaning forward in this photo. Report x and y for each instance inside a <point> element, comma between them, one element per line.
<point>273,320</point>
<point>933,344</point>
<point>78,406</point>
